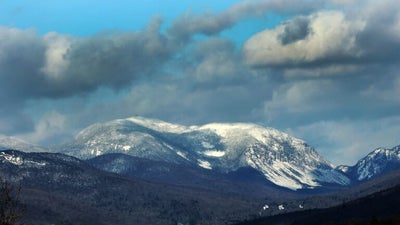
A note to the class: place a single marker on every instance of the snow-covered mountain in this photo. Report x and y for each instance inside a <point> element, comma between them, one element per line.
<point>8,142</point>
<point>379,161</point>
<point>284,160</point>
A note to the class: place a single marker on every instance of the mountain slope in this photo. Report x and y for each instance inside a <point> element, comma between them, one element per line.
<point>245,181</point>
<point>377,163</point>
<point>282,159</point>
<point>60,189</point>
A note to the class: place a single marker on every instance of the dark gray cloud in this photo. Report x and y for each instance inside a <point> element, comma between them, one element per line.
<point>113,60</point>
<point>56,65</point>
<point>380,38</point>
<point>210,23</point>
<point>21,56</point>
<point>296,29</point>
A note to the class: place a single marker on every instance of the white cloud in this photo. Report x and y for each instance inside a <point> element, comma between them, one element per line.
<point>55,56</point>
<point>350,36</point>
<point>300,97</point>
<point>330,37</point>
<point>48,129</point>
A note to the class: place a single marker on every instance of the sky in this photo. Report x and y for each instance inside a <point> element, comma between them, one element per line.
<point>323,71</point>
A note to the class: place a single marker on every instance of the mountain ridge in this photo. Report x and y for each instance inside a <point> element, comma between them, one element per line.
<point>284,160</point>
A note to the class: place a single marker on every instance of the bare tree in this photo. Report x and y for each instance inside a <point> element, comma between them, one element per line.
<point>10,208</point>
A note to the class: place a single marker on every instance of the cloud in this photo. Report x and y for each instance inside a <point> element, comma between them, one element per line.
<point>57,65</point>
<point>188,25</point>
<point>56,62</point>
<point>295,30</point>
<point>346,141</point>
<point>385,90</point>
<point>186,101</point>
<point>21,56</point>
<point>381,37</point>
<point>365,94</point>
<point>14,122</point>
<point>212,61</point>
<point>113,60</point>
<point>302,102</point>
<point>301,97</point>
<point>50,129</point>
<point>330,38</point>
<point>324,37</point>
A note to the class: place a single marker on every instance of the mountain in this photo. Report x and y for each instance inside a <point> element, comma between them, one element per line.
<point>8,142</point>
<point>283,160</point>
<point>378,162</point>
<point>60,189</point>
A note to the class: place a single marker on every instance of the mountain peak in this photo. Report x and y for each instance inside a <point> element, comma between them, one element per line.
<point>379,161</point>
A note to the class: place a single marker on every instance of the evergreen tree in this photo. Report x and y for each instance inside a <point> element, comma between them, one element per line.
<point>10,209</point>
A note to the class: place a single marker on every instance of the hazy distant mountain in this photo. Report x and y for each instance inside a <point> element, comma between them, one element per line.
<point>283,160</point>
<point>378,162</point>
<point>8,142</point>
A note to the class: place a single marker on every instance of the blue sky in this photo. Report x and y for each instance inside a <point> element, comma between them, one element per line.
<point>88,17</point>
<point>323,71</point>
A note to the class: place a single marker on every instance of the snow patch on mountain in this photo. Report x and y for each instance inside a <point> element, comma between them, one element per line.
<point>204,164</point>
<point>343,168</point>
<point>181,154</point>
<point>126,147</point>
<point>17,160</point>
<point>11,159</point>
<point>214,153</point>
<point>207,145</point>
<point>158,125</point>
